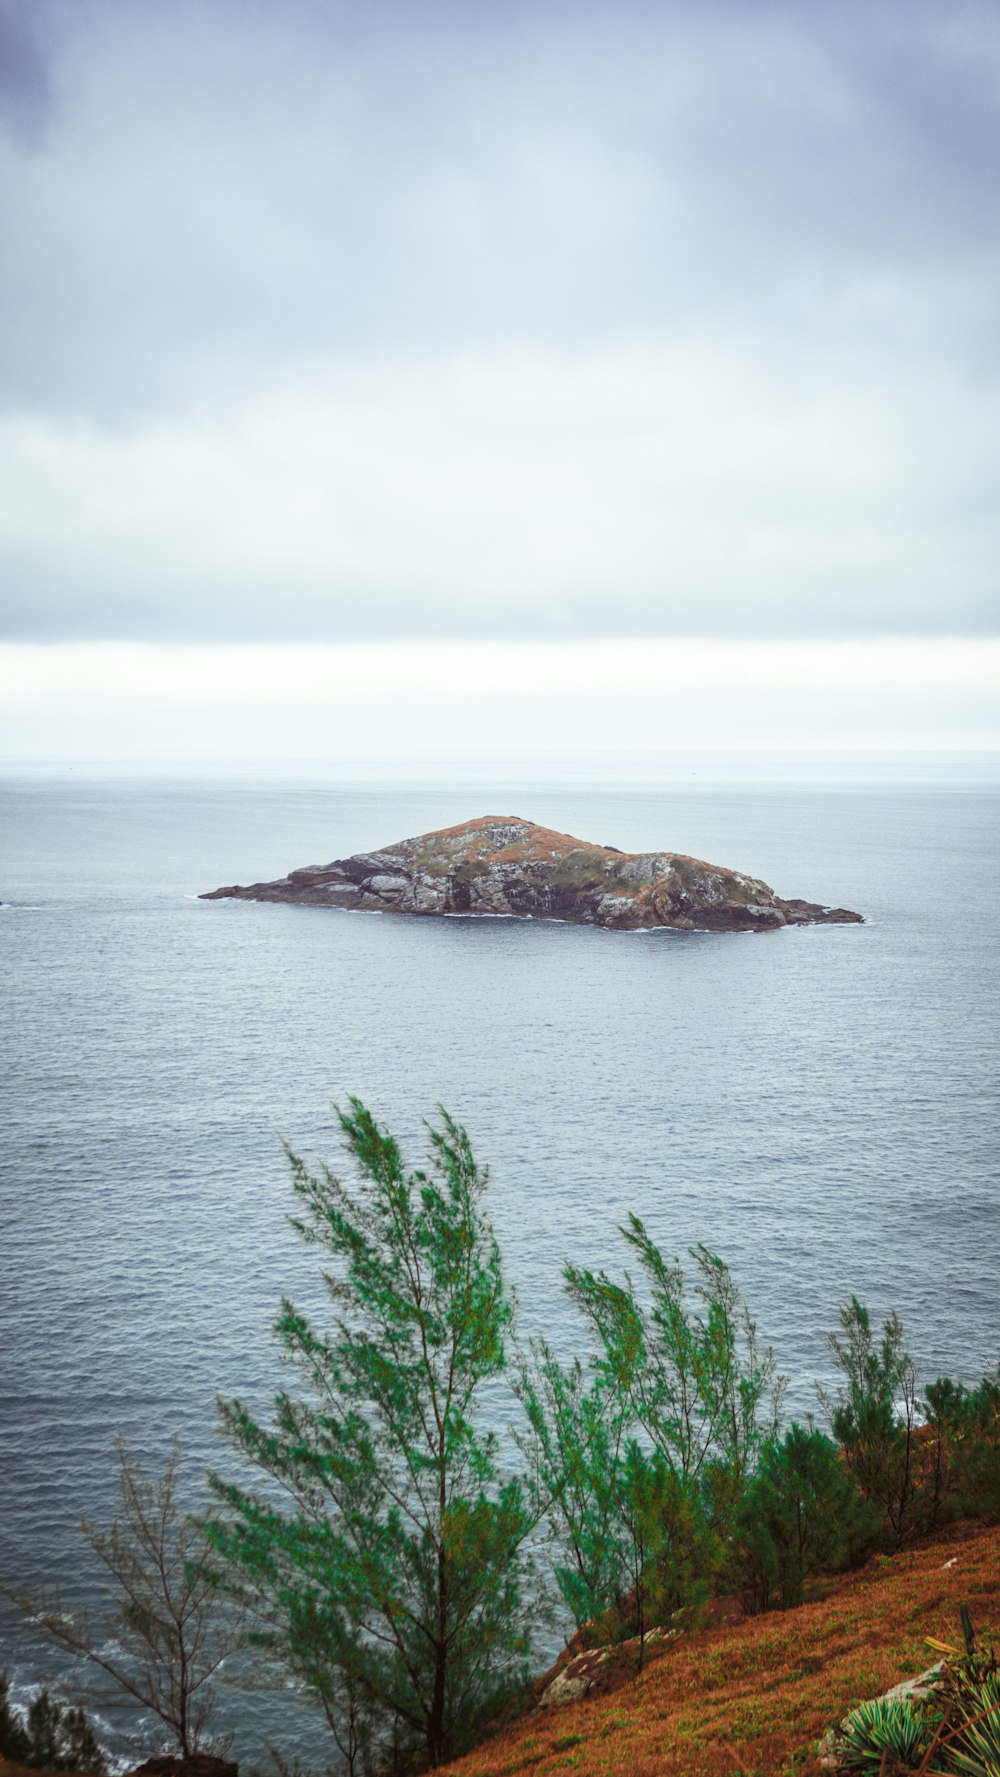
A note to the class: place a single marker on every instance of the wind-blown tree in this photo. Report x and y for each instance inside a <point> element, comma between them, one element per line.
<point>572,1446</point>
<point>699,1384</point>
<point>647,1456</point>
<point>388,1578</point>
<point>642,1483</point>
<point>165,1632</point>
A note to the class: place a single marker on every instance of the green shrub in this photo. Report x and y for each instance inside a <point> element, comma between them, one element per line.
<point>802,1515</point>
<point>972,1740</point>
<point>54,1737</point>
<point>874,1417</point>
<point>964,1478</point>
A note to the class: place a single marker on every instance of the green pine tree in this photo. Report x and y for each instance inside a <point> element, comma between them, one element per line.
<point>801,1515</point>
<point>386,1568</point>
<point>873,1416</point>
<point>54,1737</point>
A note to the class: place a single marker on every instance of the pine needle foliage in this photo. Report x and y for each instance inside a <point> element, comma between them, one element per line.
<point>648,1452</point>
<point>573,1445</point>
<point>874,1415</point>
<point>53,1736</point>
<point>801,1515</point>
<point>697,1380</point>
<point>386,1570</point>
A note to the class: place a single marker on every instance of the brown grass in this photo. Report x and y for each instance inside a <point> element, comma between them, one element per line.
<point>542,843</point>
<point>755,1697</point>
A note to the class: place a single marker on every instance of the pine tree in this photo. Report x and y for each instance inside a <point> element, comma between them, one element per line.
<point>54,1737</point>
<point>874,1415</point>
<point>385,1570</point>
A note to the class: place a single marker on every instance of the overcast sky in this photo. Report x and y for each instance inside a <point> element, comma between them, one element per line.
<point>538,324</point>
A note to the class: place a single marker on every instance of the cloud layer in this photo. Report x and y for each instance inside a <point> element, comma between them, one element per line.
<point>353,707</point>
<point>333,322</point>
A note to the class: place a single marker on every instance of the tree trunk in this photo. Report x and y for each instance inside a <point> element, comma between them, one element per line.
<point>435,1730</point>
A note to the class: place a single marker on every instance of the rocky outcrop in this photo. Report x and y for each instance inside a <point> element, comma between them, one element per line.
<point>199,1764</point>
<point>912,1690</point>
<point>506,867</point>
<point>601,1668</point>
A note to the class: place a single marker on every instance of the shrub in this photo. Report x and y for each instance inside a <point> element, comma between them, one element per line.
<point>969,1695</point>
<point>802,1514</point>
<point>55,1737</point>
<point>972,1741</point>
<point>874,1416</point>
<point>964,1478</point>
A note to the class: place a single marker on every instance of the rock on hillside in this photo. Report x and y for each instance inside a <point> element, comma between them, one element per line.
<point>507,867</point>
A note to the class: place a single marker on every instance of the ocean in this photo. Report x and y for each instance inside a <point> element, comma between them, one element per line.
<point>817,1105</point>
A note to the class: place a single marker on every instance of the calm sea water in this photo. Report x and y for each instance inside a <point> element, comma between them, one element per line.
<point>819,1106</point>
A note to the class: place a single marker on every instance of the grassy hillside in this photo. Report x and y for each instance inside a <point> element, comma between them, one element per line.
<point>756,1696</point>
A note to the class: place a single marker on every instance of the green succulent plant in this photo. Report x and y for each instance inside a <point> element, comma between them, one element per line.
<point>971,1744</point>
<point>884,1726</point>
<point>969,1695</point>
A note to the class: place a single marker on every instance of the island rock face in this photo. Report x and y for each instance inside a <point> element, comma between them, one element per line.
<point>506,867</point>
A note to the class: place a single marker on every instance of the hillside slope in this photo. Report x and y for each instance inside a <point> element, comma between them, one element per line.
<point>757,1696</point>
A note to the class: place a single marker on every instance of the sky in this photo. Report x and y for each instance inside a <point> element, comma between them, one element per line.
<point>401,375</point>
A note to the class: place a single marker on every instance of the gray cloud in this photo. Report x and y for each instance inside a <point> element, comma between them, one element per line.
<point>333,320</point>
<point>26,88</point>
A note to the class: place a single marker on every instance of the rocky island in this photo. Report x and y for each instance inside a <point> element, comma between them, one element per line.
<point>505,867</point>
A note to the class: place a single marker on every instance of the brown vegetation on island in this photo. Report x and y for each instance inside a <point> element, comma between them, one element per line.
<point>502,866</point>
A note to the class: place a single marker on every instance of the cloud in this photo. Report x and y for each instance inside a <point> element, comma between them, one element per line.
<point>671,490</point>
<point>349,707</point>
<point>27,96</point>
<point>327,321</point>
